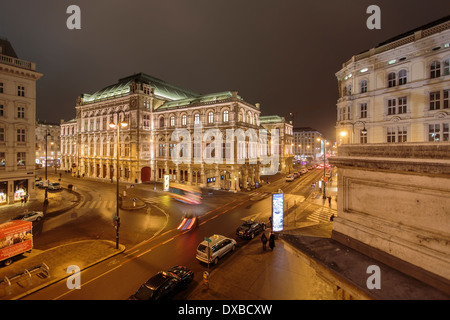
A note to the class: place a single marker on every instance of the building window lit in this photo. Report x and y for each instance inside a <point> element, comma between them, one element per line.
<point>225,116</point>
<point>21,157</point>
<point>435,134</point>
<point>210,117</point>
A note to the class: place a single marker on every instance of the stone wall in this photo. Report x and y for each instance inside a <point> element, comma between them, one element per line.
<point>394,205</point>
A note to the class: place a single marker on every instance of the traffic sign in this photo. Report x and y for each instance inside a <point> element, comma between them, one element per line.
<point>207,239</point>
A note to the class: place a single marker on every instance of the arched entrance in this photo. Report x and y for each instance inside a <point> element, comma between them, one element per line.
<point>146,174</point>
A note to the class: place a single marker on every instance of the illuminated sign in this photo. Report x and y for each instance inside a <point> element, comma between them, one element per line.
<point>277,211</point>
<point>166,182</point>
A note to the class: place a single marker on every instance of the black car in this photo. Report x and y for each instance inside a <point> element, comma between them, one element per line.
<point>249,229</point>
<point>165,284</point>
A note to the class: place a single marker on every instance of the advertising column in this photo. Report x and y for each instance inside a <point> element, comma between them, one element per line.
<point>277,211</point>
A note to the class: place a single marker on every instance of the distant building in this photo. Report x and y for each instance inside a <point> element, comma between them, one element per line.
<point>286,142</point>
<point>52,130</point>
<point>306,144</point>
<point>17,125</point>
<point>398,91</point>
<point>154,111</point>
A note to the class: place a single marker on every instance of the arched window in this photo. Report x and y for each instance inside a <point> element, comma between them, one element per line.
<point>435,70</point>
<point>225,116</point>
<point>172,121</point>
<point>363,86</point>
<point>391,80</point>
<point>210,117</point>
<point>183,120</point>
<point>197,118</point>
<point>161,122</point>
<point>447,67</point>
<point>402,77</point>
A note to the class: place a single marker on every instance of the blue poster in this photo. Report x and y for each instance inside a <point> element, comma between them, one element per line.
<point>277,211</point>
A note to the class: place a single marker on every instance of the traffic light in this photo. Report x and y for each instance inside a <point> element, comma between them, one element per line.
<point>116,222</point>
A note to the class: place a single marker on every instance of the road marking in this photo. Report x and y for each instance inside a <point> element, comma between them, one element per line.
<point>154,247</point>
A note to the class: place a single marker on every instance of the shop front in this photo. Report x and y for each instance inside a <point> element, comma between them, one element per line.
<point>20,189</point>
<point>3,192</point>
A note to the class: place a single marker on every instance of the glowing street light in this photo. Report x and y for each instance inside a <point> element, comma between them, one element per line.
<point>112,125</point>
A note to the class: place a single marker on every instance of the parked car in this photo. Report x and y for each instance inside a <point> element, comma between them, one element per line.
<point>218,246</point>
<point>165,284</point>
<point>40,184</point>
<point>30,216</point>
<point>54,186</point>
<point>250,228</point>
<point>290,178</point>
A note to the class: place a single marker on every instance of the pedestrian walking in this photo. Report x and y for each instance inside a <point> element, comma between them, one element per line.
<point>264,240</point>
<point>329,200</point>
<point>271,240</point>
<point>270,222</point>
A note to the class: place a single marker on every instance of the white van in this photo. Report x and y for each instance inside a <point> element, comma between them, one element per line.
<point>218,247</point>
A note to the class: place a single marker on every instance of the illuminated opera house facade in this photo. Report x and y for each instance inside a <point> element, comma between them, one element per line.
<point>153,110</point>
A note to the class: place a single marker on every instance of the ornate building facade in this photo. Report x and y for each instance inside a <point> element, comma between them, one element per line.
<point>398,91</point>
<point>17,125</point>
<point>222,146</point>
<point>394,171</point>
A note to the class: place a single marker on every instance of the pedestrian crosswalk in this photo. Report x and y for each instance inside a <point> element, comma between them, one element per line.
<point>290,198</point>
<point>111,204</point>
<point>321,215</point>
<point>97,204</point>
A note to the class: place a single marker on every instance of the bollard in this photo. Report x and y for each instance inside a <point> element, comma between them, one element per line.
<point>206,278</point>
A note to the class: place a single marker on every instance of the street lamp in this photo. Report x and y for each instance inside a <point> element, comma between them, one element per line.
<point>112,125</point>
<point>324,165</point>
<point>343,133</point>
<point>46,181</point>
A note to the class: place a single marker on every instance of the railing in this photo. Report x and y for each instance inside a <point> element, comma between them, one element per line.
<point>17,62</point>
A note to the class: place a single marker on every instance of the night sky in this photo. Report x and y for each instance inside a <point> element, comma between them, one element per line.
<point>281,53</point>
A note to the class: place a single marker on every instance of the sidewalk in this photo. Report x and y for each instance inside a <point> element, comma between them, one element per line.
<point>58,202</point>
<point>82,254</point>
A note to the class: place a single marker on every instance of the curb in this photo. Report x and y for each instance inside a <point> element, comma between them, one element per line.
<point>44,285</point>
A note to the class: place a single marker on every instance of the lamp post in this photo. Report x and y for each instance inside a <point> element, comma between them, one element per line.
<point>113,125</point>
<point>46,181</point>
<point>343,134</point>
<point>324,163</point>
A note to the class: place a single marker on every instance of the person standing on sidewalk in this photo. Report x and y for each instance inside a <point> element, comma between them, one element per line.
<point>271,240</point>
<point>264,240</point>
